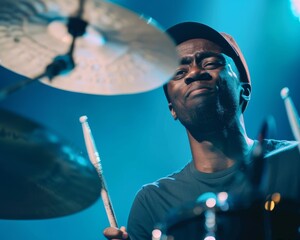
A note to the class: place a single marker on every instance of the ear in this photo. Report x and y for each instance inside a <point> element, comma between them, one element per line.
<point>245,94</point>
<point>174,115</point>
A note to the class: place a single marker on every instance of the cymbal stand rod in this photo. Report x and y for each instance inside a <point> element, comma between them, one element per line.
<point>95,160</point>
<point>292,114</point>
<point>60,63</point>
<point>5,92</point>
<point>81,8</point>
<point>76,26</point>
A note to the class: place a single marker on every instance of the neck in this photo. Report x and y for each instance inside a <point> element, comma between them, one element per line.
<point>216,151</point>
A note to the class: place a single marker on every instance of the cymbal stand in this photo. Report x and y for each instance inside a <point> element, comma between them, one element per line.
<point>61,63</point>
<point>292,114</point>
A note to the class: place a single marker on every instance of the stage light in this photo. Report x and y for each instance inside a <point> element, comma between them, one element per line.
<point>295,6</point>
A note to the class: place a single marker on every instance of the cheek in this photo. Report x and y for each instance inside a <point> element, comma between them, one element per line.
<point>229,87</point>
<point>229,78</point>
<point>175,91</point>
<point>231,73</point>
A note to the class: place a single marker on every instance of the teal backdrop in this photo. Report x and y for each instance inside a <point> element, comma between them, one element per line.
<point>137,139</point>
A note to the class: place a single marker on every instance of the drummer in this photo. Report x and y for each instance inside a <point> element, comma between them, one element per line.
<point>208,94</point>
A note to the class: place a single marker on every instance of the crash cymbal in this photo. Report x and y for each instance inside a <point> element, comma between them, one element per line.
<point>41,175</point>
<point>120,52</point>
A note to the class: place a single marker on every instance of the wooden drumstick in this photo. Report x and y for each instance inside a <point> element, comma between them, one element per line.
<point>95,160</point>
<point>292,114</point>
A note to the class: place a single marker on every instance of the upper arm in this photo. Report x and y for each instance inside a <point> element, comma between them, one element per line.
<point>140,223</point>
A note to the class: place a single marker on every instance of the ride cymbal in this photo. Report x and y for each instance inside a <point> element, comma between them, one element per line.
<point>41,175</point>
<point>119,53</point>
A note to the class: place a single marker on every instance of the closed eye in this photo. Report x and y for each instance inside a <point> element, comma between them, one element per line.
<point>179,74</point>
<point>213,65</point>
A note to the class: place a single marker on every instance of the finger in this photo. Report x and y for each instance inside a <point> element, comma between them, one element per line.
<point>125,234</point>
<point>112,232</point>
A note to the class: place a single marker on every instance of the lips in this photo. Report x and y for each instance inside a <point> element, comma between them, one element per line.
<point>200,90</point>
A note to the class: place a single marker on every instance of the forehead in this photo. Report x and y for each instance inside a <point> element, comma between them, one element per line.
<point>192,46</point>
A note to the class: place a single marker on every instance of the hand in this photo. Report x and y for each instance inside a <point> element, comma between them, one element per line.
<point>115,233</point>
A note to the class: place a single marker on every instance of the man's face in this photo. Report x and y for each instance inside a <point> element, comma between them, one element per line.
<point>206,86</point>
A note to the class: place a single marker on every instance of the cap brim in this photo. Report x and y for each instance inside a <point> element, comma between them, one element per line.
<point>191,30</point>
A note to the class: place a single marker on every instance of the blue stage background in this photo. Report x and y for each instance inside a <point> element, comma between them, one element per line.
<point>136,137</point>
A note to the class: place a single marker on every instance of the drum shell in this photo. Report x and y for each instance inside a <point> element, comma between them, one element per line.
<point>254,222</point>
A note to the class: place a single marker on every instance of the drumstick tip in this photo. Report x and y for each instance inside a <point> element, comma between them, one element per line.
<point>284,93</point>
<point>83,119</point>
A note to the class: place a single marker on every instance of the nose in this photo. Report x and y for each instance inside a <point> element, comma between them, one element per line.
<point>197,75</point>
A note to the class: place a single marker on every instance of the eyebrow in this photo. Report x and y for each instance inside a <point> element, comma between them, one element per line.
<point>199,57</point>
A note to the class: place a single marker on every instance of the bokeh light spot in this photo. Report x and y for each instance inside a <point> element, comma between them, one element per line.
<point>295,6</point>
<point>211,202</point>
<point>269,205</point>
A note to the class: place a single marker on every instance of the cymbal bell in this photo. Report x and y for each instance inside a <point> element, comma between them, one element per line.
<point>41,175</point>
<point>119,53</point>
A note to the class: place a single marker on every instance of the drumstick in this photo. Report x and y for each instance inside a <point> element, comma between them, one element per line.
<point>292,114</point>
<point>95,160</point>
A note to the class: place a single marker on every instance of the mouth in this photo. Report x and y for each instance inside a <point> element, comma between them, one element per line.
<point>200,91</point>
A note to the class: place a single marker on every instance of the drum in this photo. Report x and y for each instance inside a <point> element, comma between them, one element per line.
<point>213,219</point>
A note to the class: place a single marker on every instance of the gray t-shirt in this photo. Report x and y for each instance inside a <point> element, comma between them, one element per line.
<point>154,201</point>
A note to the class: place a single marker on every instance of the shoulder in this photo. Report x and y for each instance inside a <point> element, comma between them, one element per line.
<point>151,203</point>
<point>165,184</point>
<point>278,147</point>
<point>169,179</point>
